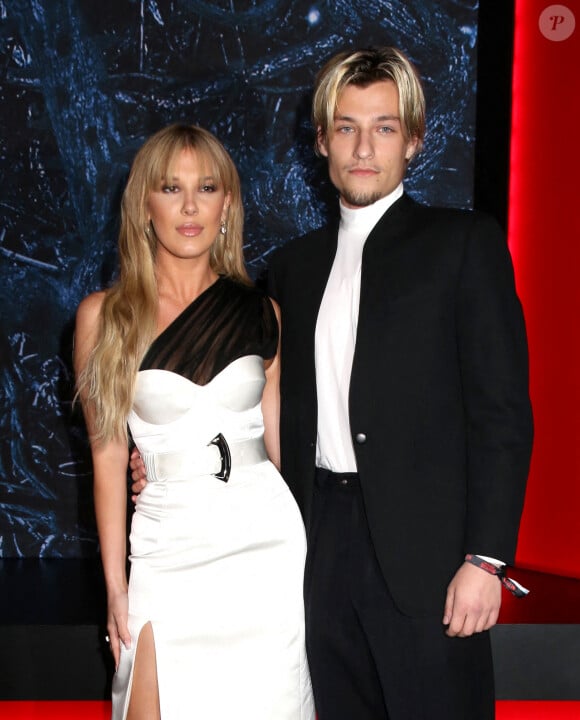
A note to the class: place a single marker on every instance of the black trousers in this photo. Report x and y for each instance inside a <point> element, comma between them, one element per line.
<point>367,660</point>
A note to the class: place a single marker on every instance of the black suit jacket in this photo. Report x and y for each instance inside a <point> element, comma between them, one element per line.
<point>439,407</point>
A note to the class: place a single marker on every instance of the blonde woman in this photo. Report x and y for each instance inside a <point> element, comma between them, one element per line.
<point>184,351</point>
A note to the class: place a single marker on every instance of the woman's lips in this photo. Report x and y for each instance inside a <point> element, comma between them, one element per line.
<point>189,230</point>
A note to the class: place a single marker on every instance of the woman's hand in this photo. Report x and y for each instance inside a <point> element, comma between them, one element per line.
<point>117,613</point>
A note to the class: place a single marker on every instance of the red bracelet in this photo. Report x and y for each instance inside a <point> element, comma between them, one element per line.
<point>509,584</point>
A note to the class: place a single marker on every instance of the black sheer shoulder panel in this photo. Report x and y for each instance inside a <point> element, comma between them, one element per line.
<point>226,322</point>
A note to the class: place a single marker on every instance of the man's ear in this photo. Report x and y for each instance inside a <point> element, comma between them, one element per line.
<point>412,146</point>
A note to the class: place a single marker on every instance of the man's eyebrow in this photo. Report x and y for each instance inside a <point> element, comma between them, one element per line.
<point>379,118</point>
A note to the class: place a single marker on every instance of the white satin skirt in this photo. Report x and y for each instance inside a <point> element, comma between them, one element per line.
<point>217,569</point>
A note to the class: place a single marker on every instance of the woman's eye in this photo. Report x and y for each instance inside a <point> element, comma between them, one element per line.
<point>208,188</point>
<point>170,188</point>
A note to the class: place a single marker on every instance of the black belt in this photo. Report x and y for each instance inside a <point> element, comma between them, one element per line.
<point>324,478</point>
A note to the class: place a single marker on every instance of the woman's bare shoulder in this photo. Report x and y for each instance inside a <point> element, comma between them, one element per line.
<point>90,307</point>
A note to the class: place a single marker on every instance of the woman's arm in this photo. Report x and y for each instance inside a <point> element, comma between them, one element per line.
<point>271,402</point>
<point>110,487</point>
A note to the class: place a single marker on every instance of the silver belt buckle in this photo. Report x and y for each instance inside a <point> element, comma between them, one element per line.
<point>226,459</point>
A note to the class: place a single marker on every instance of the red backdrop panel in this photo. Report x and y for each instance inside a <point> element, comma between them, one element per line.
<point>544,236</point>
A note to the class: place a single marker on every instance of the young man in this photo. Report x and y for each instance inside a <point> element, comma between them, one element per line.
<point>406,427</point>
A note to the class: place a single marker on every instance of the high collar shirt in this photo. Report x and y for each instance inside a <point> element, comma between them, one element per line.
<point>335,337</point>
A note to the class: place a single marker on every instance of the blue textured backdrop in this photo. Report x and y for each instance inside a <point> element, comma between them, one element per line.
<point>82,84</point>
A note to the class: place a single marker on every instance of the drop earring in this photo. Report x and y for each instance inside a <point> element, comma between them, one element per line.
<point>223,227</point>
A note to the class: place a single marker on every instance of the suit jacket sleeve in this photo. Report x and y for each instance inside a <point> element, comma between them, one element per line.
<point>494,375</point>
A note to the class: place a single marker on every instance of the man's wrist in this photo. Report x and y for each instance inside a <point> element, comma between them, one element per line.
<point>499,571</point>
<point>486,564</point>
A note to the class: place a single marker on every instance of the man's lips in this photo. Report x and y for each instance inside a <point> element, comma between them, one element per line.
<point>363,171</point>
<point>189,230</point>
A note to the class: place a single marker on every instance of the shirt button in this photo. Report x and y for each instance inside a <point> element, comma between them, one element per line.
<point>361,438</point>
<point>344,481</point>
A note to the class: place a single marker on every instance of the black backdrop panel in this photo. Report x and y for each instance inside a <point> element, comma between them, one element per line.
<point>82,84</point>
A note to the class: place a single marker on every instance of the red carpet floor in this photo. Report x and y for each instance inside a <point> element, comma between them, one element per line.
<point>506,710</point>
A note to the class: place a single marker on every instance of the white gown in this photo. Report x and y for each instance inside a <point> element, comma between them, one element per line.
<point>216,567</point>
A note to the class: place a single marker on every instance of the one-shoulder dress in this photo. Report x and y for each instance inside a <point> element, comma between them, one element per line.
<point>217,562</point>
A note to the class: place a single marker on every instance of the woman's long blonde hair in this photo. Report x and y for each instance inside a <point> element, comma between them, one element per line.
<point>128,317</point>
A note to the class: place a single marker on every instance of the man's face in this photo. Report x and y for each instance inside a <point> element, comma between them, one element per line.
<point>366,149</point>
